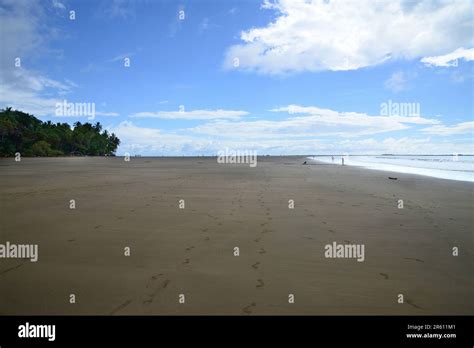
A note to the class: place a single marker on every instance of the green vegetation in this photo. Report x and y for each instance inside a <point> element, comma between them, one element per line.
<point>24,133</point>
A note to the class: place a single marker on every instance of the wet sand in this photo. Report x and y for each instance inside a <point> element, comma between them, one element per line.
<point>190,251</point>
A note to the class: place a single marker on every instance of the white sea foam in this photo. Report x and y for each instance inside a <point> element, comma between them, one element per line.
<point>444,167</point>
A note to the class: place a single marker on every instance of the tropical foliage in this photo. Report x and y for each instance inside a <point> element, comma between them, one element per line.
<point>24,133</point>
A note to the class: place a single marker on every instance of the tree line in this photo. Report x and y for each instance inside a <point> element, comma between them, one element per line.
<point>24,133</point>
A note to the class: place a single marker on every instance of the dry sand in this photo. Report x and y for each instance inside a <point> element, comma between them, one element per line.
<point>190,251</point>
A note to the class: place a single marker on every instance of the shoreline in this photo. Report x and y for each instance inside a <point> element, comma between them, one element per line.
<point>436,173</point>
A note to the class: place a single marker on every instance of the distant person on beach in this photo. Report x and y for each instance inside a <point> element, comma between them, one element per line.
<point>342,158</point>
<point>332,158</point>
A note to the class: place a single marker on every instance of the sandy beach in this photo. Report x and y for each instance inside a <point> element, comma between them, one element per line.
<point>190,251</point>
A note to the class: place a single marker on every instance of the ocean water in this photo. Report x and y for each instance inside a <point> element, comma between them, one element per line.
<point>444,167</point>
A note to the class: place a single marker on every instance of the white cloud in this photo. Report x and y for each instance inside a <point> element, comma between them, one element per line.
<point>34,93</point>
<point>27,100</point>
<point>347,35</point>
<point>103,113</point>
<point>450,59</point>
<point>192,115</point>
<point>310,121</point>
<point>58,4</point>
<point>151,141</point>
<point>397,82</point>
<point>120,57</point>
<point>154,141</point>
<point>351,117</point>
<point>460,128</point>
<point>404,145</point>
<point>23,36</point>
<point>27,79</point>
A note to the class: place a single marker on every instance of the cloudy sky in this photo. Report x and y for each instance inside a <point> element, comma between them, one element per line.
<point>280,77</point>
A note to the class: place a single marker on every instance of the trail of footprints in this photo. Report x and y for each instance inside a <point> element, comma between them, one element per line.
<point>265,229</point>
<point>155,285</point>
<point>158,283</point>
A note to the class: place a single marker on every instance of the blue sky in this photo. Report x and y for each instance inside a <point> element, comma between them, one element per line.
<point>311,75</point>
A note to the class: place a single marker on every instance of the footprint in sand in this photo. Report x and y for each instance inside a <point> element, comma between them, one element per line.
<point>71,240</point>
<point>255,265</point>
<point>332,231</point>
<point>152,279</point>
<point>262,251</point>
<point>247,309</point>
<point>155,277</point>
<point>204,230</point>
<point>260,284</point>
<point>384,275</point>
<point>152,296</point>
<point>190,248</point>
<point>123,305</point>
<point>97,226</point>
<point>11,268</point>
<point>411,303</point>
<point>185,262</point>
<point>257,239</point>
<point>207,239</point>
<point>413,259</point>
